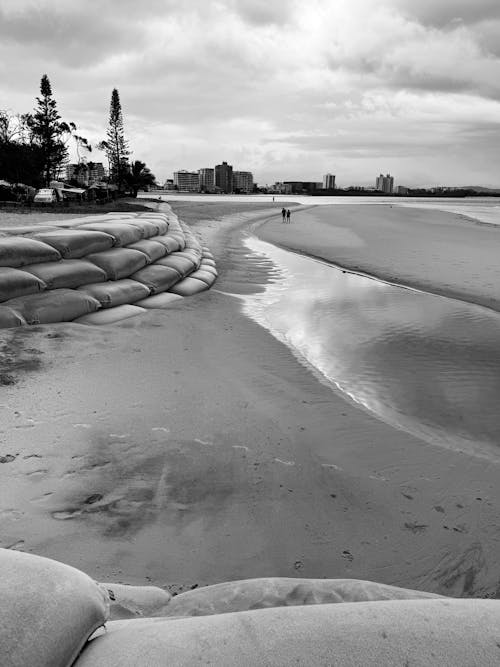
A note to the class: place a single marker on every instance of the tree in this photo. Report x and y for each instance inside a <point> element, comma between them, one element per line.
<point>20,160</point>
<point>48,131</point>
<point>139,177</point>
<point>115,145</point>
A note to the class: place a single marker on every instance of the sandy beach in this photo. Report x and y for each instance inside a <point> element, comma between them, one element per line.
<point>189,446</point>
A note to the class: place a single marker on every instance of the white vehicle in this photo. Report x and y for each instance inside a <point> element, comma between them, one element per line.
<point>45,196</point>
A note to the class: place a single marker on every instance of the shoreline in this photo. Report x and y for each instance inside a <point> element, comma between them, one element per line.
<point>405,278</point>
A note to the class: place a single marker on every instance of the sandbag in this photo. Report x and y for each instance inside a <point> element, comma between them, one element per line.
<point>190,254</point>
<point>162,300</point>
<point>160,224</point>
<point>208,267</point>
<point>158,278</point>
<point>147,227</point>
<point>66,273</point>
<point>170,243</point>
<point>269,592</point>
<point>119,262</point>
<point>16,282</point>
<point>76,243</point>
<point>179,236</point>
<point>60,305</point>
<point>207,255</point>
<point>182,265</point>
<point>189,287</point>
<point>11,318</point>
<point>208,261</point>
<point>123,233</point>
<point>111,315</point>
<point>205,276</point>
<point>47,610</point>
<point>116,292</point>
<point>424,633</point>
<point>132,601</point>
<point>16,251</point>
<point>151,248</point>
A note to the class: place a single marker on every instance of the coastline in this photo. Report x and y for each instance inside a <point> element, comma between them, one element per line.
<point>188,447</point>
<point>402,246</point>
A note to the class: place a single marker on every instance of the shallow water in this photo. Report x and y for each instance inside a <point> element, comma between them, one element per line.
<point>424,363</point>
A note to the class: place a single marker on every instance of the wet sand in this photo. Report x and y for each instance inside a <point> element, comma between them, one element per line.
<point>188,447</point>
<point>438,252</point>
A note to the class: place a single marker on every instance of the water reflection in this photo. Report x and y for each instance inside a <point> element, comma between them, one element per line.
<point>424,363</point>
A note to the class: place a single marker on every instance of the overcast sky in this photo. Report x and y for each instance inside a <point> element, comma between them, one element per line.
<point>286,89</point>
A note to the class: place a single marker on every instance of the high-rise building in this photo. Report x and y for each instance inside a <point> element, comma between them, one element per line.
<point>329,182</point>
<point>242,181</point>
<point>206,179</point>
<point>96,172</point>
<point>188,181</point>
<point>224,177</point>
<point>385,183</point>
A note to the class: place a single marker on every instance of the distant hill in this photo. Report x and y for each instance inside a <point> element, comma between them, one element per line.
<point>479,188</point>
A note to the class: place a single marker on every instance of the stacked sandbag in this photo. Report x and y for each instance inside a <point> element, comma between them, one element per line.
<point>66,273</point>
<point>16,282</point>
<point>427,633</point>
<point>151,248</point>
<point>111,315</point>
<point>76,243</point>
<point>156,277</point>
<point>118,263</point>
<point>59,305</point>
<point>10,318</point>
<point>113,260</point>
<point>123,233</point>
<point>47,612</point>
<point>116,292</point>
<point>16,251</point>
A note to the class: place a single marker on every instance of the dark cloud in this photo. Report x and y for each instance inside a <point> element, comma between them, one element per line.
<point>441,13</point>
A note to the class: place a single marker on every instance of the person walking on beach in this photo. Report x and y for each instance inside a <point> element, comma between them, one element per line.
<point>288,215</point>
<point>283,213</point>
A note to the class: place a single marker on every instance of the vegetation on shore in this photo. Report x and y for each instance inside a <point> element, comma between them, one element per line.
<point>34,147</point>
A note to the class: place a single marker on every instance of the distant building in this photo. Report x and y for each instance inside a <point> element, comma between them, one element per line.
<point>224,177</point>
<point>96,172</point>
<point>280,188</point>
<point>329,182</point>
<point>303,187</point>
<point>169,184</point>
<point>385,183</point>
<point>187,181</point>
<point>242,181</point>
<point>402,190</point>
<point>206,178</point>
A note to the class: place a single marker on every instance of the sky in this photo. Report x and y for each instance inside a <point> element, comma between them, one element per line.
<point>287,89</point>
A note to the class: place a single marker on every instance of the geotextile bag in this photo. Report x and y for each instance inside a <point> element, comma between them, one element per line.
<point>162,300</point>
<point>16,282</point>
<point>179,236</point>
<point>119,262</point>
<point>116,292</point>
<point>170,243</point>
<point>11,318</point>
<point>206,276</point>
<point>47,612</point>
<point>182,265</point>
<point>158,278</point>
<point>208,267</point>
<point>147,227</point>
<point>151,248</point>
<point>60,305</point>
<point>18,251</point>
<point>76,243</point>
<point>189,287</point>
<point>66,273</point>
<point>160,225</point>
<point>123,233</point>
<point>111,315</point>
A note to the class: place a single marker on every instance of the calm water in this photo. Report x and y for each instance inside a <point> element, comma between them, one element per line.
<point>424,363</point>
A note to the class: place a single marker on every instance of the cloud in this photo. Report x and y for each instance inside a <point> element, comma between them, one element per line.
<point>273,86</point>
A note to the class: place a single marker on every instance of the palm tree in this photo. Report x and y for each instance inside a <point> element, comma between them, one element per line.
<point>139,177</point>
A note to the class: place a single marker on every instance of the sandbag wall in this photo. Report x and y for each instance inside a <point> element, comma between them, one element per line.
<point>100,269</point>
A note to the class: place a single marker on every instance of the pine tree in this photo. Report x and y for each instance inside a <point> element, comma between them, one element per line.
<point>48,131</point>
<point>115,145</point>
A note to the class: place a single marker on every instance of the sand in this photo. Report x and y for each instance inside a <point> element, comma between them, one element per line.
<point>442,253</point>
<point>189,447</point>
